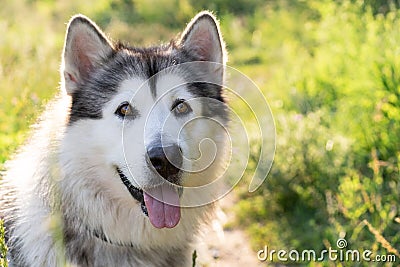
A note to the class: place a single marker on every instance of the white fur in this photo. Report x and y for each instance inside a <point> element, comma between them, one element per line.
<point>79,157</point>
<point>77,161</point>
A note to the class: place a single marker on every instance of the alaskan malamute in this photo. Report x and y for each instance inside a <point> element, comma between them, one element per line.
<point>118,168</point>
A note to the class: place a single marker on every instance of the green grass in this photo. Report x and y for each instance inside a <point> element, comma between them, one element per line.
<point>332,76</point>
<point>329,69</point>
<point>29,60</point>
<point>3,247</point>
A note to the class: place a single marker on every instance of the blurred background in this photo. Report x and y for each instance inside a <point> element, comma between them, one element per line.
<point>329,69</point>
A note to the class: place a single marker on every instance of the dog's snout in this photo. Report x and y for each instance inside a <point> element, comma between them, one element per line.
<point>166,160</point>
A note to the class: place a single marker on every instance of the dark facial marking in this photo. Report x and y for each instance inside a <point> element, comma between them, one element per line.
<point>127,62</point>
<point>103,83</point>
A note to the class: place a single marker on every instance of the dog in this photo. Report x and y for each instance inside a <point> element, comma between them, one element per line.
<point>119,169</point>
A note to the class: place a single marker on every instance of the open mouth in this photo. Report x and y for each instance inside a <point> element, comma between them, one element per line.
<point>135,192</point>
<point>160,203</point>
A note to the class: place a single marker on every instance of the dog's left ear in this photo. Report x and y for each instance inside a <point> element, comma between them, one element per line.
<point>202,39</point>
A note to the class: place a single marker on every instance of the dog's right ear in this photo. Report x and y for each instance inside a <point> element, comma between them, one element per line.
<point>85,48</point>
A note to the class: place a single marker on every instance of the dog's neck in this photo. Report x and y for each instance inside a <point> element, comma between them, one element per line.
<point>99,235</point>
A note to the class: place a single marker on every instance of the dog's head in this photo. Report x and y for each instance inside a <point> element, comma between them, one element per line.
<point>146,122</point>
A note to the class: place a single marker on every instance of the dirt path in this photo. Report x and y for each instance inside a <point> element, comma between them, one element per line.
<point>219,247</point>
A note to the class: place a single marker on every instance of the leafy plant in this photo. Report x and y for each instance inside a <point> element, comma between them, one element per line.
<point>3,247</point>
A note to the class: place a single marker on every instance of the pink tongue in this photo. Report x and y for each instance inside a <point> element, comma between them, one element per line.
<point>162,203</point>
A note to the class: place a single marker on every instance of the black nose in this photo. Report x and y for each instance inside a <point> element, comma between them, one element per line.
<point>166,161</point>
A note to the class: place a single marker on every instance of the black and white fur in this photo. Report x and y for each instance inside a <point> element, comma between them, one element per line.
<point>62,197</point>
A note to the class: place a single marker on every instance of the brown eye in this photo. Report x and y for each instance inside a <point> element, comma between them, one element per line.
<point>180,107</point>
<point>124,109</point>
